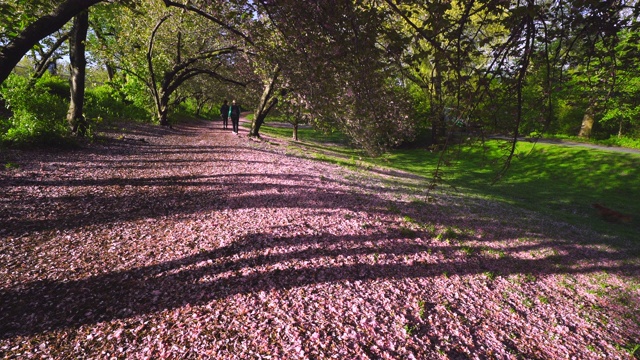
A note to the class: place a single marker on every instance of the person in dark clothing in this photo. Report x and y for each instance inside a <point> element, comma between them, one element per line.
<point>234,114</point>
<point>224,113</point>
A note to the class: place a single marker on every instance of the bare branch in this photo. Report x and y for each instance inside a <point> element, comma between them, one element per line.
<point>206,15</point>
<point>154,86</point>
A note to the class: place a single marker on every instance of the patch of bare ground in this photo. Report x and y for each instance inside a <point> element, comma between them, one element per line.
<point>197,243</point>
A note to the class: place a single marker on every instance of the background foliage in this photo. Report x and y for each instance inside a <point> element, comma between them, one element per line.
<point>384,73</point>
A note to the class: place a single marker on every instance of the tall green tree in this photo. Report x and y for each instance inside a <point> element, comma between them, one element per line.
<point>452,50</point>
<point>622,109</point>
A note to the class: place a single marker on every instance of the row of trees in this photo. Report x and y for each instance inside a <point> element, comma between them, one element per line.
<point>382,71</point>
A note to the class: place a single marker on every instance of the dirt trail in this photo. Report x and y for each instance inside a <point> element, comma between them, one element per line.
<point>573,144</point>
<point>591,146</point>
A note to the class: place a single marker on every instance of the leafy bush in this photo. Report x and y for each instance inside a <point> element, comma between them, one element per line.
<point>108,101</point>
<point>569,116</point>
<point>103,102</point>
<point>38,111</point>
<point>137,100</point>
<point>28,130</point>
<point>48,97</point>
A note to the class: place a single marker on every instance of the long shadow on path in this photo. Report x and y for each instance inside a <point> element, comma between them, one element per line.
<point>200,278</point>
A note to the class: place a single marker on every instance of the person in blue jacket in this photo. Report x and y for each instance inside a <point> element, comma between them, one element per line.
<point>234,114</point>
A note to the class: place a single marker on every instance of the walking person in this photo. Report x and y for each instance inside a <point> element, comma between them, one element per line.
<point>224,113</point>
<point>234,113</point>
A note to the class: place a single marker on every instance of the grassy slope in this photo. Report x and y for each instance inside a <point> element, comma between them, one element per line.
<point>559,180</point>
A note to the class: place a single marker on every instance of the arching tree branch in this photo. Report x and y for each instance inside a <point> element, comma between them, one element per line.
<point>47,58</point>
<point>206,15</point>
<point>44,26</point>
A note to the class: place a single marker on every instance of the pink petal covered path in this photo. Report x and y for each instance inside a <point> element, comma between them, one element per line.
<point>197,243</point>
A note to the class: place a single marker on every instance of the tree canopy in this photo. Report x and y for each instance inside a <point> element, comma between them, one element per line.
<point>384,72</point>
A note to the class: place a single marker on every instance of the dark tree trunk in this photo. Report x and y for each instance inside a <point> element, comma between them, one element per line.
<point>438,128</point>
<point>267,102</point>
<point>11,54</point>
<point>111,72</point>
<point>163,115</point>
<point>258,120</point>
<point>78,63</point>
<point>588,120</point>
<point>295,132</point>
<point>201,101</point>
<point>163,108</point>
<point>438,125</point>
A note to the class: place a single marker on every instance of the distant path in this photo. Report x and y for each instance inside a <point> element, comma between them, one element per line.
<point>541,140</point>
<point>592,146</point>
<point>572,144</point>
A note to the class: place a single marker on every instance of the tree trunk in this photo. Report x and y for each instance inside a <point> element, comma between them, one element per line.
<point>588,120</point>
<point>78,62</point>
<point>258,120</point>
<point>163,108</point>
<point>295,132</point>
<point>620,128</point>
<point>163,115</point>
<point>438,128</point>
<point>14,50</point>
<point>111,72</point>
<point>201,101</point>
<point>267,102</point>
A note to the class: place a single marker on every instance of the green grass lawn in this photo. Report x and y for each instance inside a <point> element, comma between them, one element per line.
<point>557,180</point>
<point>305,132</point>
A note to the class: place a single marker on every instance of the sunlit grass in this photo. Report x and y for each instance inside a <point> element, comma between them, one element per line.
<point>274,127</point>
<point>557,180</point>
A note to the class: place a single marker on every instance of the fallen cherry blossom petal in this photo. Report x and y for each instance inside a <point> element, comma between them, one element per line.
<point>201,244</point>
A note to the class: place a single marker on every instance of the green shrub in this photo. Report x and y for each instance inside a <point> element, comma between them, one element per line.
<point>136,99</point>
<point>48,97</point>
<point>28,130</point>
<point>116,101</point>
<point>622,141</point>
<point>103,102</point>
<point>38,111</point>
